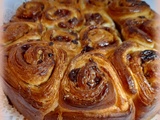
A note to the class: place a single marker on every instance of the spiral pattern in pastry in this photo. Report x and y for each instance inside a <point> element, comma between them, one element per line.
<point>90,89</point>
<point>122,9</point>
<point>82,60</point>
<point>30,11</point>
<point>94,15</point>
<point>135,21</point>
<point>68,40</point>
<point>94,3</point>
<point>34,71</point>
<point>21,31</point>
<point>67,2</point>
<point>62,16</point>
<point>99,37</point>
<point>141,30</point>
<point>139,72</point>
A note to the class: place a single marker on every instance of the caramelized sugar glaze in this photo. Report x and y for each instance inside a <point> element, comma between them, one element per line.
<point>82,59</point>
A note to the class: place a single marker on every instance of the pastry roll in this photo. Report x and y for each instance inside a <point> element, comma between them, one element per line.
<point>67,2</point>
<point>139,71</point>
<point>31,11</point>
<point>94,15</point>
<point>94,3</point>
<point>32,75</point>
<point>99,37</point>
<point>61,16</point>
<point>15,32</point>
<point>68,40</point>
<point>82,60</point>
<point>90,89</point>
<point>121,9</point>
<point>142,30</point>
<point>135,21</point>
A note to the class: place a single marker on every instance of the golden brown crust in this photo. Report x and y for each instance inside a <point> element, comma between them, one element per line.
<point>136,21</point>
<point>134,29</point>
<point>138,68</point>
<point>90,89</point>
<point>98,38</point>
<point>68,40</point>
<point>61,16</point>
<point>34,70</point>
<point>31,11</point>
<point>83,60</point>
<point>141,30</point>
<point>15,32</point>
<point>93,3</point>
<point>122,9</point>
<point>94,15</point>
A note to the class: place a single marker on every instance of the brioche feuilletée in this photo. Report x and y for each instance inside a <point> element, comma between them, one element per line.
<point>82,60</point>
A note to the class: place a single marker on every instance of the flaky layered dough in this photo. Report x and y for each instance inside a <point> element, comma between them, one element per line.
<point>94,15</point>
<point>92,3</point>
<point>99,38</point>
<point>82,60</point>
<point>15,32</point>
<point>32,73</point>
<point>91,89</point>
<point>122,9</point>
<point>136,21</point>
<point>139,72</point>
<point>31,11</point>
<point>142,30</point>
<point>62,16</point>
<point>68,40</point>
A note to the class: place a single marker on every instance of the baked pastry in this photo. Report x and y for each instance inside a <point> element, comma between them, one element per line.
<point>31,11</point>
<point>94,15</point>
<point>91,89</point>
<point>15,32</point>
<point>138,69</point>
<point>69,40</point>
<point>33,71</point>
<point>62,16</point>
<point>141,30</point>
<point>99,38</point>
<point>82,59</point>
<point>92,3</point>
<point>136,21</point>
<point>120,10</point>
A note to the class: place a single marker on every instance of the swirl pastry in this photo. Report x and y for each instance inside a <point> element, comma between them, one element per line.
<point>69,40</point>
<point>141,30</point>
<point>94,3</point>
<point>99,37</point>
<point>67,2</point>
<point>32,74</point>
<point>139,72</point>
<point>21,31</point>
<point>94,15</point>
<point>122,9</point>
<point>62,16</point>
<point>136,21</point>
<point>31,11</point>
<point>90,89</point>
<point>82,60</point>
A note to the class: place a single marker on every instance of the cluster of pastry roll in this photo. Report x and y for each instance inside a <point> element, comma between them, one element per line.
<point>67,59</point>
<point>136,21</point>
